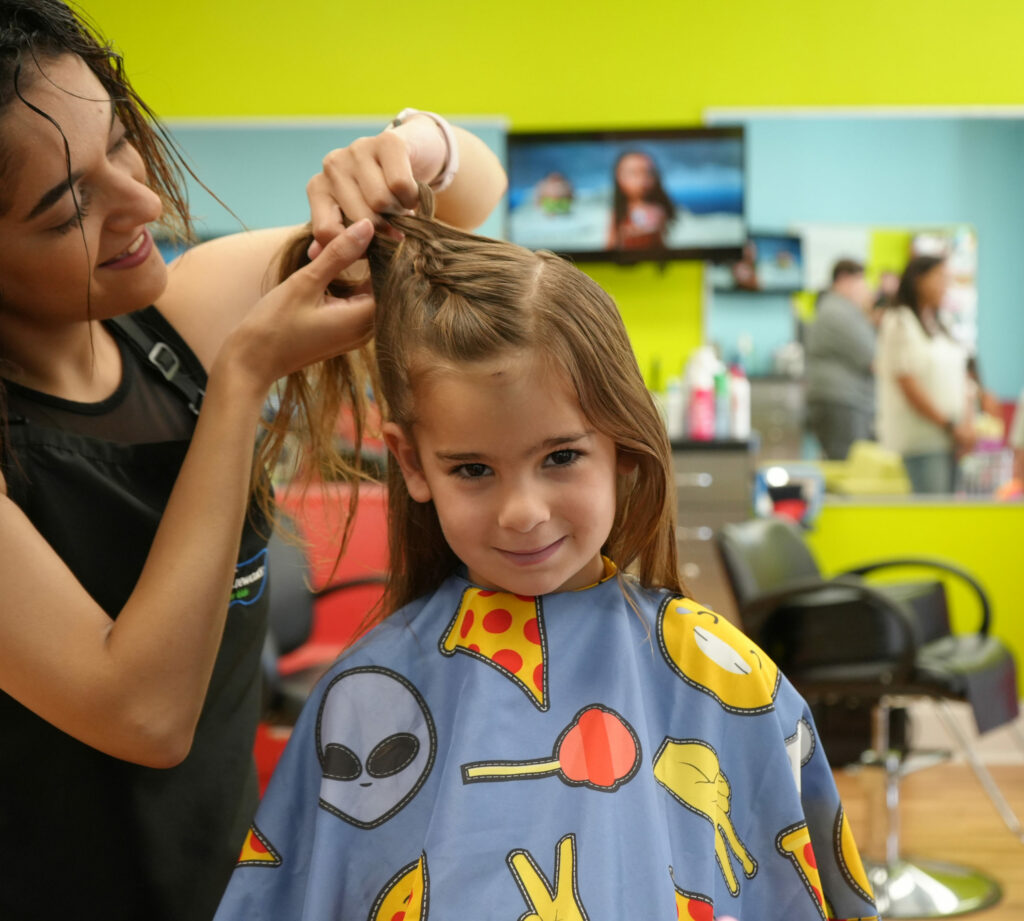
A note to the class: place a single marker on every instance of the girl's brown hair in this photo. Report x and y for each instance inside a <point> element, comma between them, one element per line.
<point>446,297</point>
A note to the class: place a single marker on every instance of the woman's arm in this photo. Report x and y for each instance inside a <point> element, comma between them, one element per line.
<point>134,687</point>
<point>213,285</point>
<point>961,432</point>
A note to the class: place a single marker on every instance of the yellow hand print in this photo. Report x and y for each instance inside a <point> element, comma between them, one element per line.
<point>690,771</point>
<point>559,904</point>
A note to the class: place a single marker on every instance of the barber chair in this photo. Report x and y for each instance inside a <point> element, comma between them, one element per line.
<point>293,611</point>
<point>842,639</point>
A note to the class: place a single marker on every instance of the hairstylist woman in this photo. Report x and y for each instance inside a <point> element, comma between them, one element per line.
<point>129,679</point>
<point>922,380</point>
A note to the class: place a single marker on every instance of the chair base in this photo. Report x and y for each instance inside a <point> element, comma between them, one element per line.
<point>914,888</point>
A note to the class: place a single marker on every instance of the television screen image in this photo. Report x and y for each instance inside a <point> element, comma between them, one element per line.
<point>628,195</point>
<point>771,263</point>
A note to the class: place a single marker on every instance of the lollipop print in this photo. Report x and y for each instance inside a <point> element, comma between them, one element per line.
<point>598,749</point>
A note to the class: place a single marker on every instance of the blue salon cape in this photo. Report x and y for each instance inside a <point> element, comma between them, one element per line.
<point>482,755</point>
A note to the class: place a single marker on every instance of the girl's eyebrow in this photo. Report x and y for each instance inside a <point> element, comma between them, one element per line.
<point>546,445</point>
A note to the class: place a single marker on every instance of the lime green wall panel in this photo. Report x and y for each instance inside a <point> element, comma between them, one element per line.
<point>575,63</point>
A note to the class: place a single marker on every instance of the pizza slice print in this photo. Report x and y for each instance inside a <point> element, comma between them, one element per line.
<point>794,843</point>
<point>506,632</point>
<point>257,851</point>
<point>404,896</point>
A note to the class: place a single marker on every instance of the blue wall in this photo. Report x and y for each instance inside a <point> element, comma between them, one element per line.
<point>259,169</point>
<point>897,173</point>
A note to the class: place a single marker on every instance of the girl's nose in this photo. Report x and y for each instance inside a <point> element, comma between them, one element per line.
<point>522,509</point>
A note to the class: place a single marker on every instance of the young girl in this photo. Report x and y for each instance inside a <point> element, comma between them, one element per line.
<point>544,726</point>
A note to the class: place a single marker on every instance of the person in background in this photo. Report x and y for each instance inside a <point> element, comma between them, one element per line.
<point>888,285</point>
<point>840,346</point>
<point>924,410</point>
<point>130,401</point>
<point>554,194</point>
<point>641,208</point>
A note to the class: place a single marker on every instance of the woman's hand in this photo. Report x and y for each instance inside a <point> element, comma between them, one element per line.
<point>374,176</point>
<point>297,323</point>
<point>964,437</point>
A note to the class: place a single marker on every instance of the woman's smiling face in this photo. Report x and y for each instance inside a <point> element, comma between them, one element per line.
<point>58,262</point>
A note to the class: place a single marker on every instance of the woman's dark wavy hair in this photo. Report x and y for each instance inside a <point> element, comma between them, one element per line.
<point>657,195</point>
<point>33,32</point>
<point>908,295</point>
<point>446,297</point>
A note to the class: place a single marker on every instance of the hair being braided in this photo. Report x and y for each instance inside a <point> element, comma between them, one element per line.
<point>446,298</point>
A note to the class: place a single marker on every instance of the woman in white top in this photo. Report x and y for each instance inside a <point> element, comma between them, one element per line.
<point>922,380</point>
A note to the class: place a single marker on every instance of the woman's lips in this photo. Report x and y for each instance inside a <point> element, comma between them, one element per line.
<point>134,255</point>
<point>532,557</point>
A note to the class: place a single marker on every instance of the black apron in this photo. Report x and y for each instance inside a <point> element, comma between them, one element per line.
<point>84,835</point>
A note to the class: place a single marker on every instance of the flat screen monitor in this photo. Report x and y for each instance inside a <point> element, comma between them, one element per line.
<point>626,196</point>
<point>770,263</point>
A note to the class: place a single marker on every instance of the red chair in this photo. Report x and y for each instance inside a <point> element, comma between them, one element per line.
<point>345,591</point>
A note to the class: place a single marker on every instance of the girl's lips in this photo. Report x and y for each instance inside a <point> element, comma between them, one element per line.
<point>134,255</point>
<point>532,557</point>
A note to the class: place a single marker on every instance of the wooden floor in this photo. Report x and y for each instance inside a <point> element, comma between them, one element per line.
<point>946,816</point>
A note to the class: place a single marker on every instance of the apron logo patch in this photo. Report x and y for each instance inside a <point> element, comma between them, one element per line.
<point>250,580</point>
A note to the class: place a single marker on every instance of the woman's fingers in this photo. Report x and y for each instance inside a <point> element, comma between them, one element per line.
<point>337,254</point>
<point>370,178</point>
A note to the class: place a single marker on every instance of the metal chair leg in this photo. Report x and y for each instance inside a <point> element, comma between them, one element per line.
<point>907,887</point>
<point>986,780</point>
<point>1018,734</point>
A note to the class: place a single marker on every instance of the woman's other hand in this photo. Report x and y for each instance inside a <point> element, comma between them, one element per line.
<point>373,177</point>
<point>298,323</point>
<point>376,176</point>
<point>964,437</point>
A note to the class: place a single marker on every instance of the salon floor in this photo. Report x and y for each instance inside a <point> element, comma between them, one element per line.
<point>945,814</point>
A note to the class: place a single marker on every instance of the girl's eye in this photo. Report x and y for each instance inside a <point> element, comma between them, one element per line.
<point>564,457</point>
<point>471,471</point>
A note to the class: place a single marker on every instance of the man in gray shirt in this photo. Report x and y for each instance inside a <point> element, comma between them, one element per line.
<point>840,348</point>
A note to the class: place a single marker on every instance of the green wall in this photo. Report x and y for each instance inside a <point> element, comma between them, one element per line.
<point>547,65</point>
<point>570,64</point>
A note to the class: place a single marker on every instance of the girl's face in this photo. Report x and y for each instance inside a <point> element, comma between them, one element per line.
<point>932,286</point>
<point>523,485</point>
<point>46,267</point>
<point>635,175</point>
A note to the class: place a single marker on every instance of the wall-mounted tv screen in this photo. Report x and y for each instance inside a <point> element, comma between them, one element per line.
<point>770,263</point>
<point>627,196</point>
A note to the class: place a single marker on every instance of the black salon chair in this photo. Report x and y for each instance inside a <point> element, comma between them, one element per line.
<point>843,640</point>
<point>290,623</point>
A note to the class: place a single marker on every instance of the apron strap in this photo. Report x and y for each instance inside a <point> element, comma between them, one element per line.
<point>162,357</point>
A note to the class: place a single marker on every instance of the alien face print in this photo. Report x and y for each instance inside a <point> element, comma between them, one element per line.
<point>376,742</point>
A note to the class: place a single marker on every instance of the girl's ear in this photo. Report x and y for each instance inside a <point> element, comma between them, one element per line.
<point>403,449</point>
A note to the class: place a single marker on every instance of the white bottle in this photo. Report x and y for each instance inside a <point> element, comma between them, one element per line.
<point>675,409</point>
<point>739,404</point>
